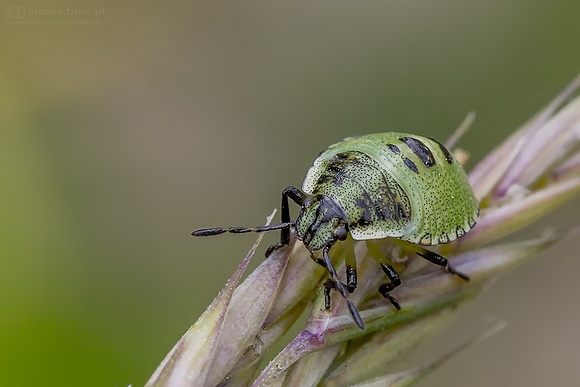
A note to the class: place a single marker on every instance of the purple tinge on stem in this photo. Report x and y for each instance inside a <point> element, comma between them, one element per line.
<point>531,150</point>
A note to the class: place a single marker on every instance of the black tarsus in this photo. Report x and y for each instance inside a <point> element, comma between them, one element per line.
<point>328,286</point>
<point>441,261</point>
<point>351,279</point>
<point>387,287</point>
<point>395,280</point>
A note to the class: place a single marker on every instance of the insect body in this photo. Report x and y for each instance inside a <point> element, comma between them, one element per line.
<point>393,185</point>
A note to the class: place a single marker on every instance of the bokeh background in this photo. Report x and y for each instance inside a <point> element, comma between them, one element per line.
<point>125,125</point>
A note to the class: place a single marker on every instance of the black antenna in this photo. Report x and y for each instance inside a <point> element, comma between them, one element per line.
<point>239,230</point>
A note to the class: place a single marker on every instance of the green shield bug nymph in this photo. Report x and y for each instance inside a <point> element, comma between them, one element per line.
<point>393,185</point>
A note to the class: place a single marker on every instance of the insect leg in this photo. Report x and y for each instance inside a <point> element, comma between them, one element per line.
<point>392,275</point>
<point>340,287</point>
<point>350,263</point>
<point>439,261</point>
<point>297,197</point>
<point>387,287</point>
<point>432,257</point>
<point>328,284</point>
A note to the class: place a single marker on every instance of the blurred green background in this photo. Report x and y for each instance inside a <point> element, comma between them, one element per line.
<point>124,126</point>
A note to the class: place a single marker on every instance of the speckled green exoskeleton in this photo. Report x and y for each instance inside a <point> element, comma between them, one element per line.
<point>388,185</point>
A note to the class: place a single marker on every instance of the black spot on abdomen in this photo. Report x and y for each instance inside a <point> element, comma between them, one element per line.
<point>446,153</point>
<point>411,165</point>
<point>420,150</point>
<point>393,148</point>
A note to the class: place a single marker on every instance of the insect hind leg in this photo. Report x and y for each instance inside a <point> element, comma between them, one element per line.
<point>440,261</point>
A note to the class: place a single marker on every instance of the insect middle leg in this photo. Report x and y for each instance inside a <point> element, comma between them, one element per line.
<point>387,287</point>
<point>392,275</point>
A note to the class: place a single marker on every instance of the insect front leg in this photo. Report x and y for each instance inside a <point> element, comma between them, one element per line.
<point>328,284</point>
<point>350,264</point>
<point>334,283</point>
<point>297,197</point>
